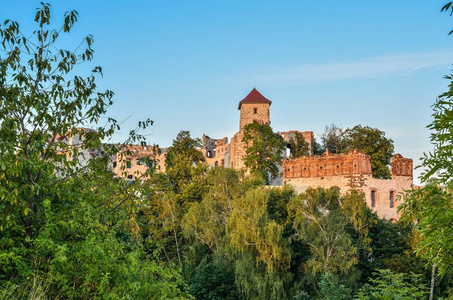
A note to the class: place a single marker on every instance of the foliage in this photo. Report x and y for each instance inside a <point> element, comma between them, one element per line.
<point>373,142</point>
<point>184,147</point>
<point>263,149</point>
<point>334,228</point>
<point>398,286</point>
<point>331,289</point>
<point>66,223</point>
<point>439,162</point>
<point>206,220</point>
<point>391,245</point>
<point>432,210</point>
<point>333,139</point>
<point>214,279</point>
<point>250,229</point>
<point>183,165</point>
<point>299,146</point>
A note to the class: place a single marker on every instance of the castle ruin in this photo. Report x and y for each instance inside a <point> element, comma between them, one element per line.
<point>351,170</point>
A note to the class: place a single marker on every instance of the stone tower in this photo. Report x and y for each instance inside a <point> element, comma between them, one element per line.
<point>254,108</point>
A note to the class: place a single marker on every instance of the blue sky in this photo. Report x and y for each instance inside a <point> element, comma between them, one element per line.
<point>187,64</point>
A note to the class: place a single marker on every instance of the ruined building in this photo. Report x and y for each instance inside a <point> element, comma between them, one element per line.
<point>351,170</point>
<point>346,171</point>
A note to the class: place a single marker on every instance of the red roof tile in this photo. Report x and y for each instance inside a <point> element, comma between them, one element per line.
<point>254,97</point>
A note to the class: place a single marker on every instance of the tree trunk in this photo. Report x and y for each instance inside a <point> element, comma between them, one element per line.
<point>433,280</point>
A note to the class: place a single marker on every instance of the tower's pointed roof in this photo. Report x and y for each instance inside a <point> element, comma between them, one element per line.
<point>254,97</point>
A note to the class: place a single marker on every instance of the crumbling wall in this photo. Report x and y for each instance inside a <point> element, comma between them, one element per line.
<point>354,162</point>
<point>307,135</point>
<point>133,161</point>
<point>352,170</point>
<point>401,166</point>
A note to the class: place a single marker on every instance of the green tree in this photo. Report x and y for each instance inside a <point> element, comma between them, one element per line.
<point>373,142</point>
<point>214,279</point>
<point>334,228</point>
<point>263,150</point>
<point>333,139</point>
<point>206,221</point>
<point>183,162</point>
<point>299,146</point>
<point>431,207</point>
<point>68,226</point>
<point>393,286</point>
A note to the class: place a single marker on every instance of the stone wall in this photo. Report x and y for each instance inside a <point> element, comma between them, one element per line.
<point>134,160</point>
<point>401,166</point>
<point>307,135</point>
<point>254,112</point>
<point>352,170</point>
<point>352,163</point>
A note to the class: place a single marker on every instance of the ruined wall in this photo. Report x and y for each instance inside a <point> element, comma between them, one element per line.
<point>307,135</point>
<point>134,160</point>
<point>401,166</point>
<point>352,171</point>
<point>354,162</point>
<point>211,147</point>
<point>237,152</point>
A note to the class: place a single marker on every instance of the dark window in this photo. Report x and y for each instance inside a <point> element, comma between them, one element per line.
<point>373,198</point>
<point>209,154</point>
<point>216,163</point>
<point>255,110</point>
<point>130,177</point>
<point>128,163</point>
<point>150,163</point>
<point>114,164</point>
<point>391,199</point>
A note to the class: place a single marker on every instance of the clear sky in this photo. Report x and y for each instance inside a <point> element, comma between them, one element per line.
<point>187,64</point>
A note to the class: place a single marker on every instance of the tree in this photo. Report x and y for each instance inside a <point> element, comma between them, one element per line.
<point>373,142</point>
<point>183,164</point>
<point>333,139</point>
<point>186,148</point>
<point>299,146</point>
<point>66,225</point>
<point>259,248</point>
<point>393,286</point>
<point>263,150</point>
<point>334,228</point>
<point>431,207</point>
<point>439,162</point>
<point>207,219</point>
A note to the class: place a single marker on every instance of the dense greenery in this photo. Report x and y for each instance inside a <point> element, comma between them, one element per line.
<point>67,230</point>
